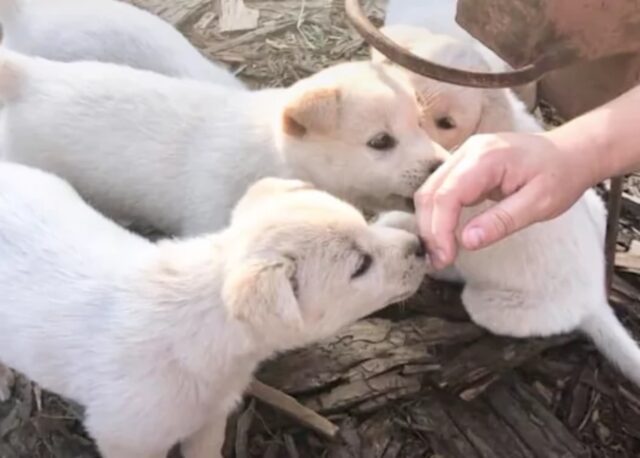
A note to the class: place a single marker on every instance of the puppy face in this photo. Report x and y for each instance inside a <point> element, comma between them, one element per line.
<point>450,114</point>
<point>306,264</point>
<point>354,130</point>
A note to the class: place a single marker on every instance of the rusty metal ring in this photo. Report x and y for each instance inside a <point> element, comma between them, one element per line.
<point>410,61</point>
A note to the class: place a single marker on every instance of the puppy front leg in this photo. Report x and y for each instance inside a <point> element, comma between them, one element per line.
<point>7,379</point>
<point>208,442</point>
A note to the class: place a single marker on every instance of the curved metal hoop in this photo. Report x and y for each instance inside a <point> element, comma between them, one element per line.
<point>410,61</point>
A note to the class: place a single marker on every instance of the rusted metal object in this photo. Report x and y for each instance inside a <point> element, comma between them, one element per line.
<point>614,207</point>
<point>582,87</point>
<point>526,31</point>
<point>588,52</point>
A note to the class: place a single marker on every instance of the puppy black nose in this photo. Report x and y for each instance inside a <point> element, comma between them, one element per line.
<point>421,249</point>
<point>434,165</point>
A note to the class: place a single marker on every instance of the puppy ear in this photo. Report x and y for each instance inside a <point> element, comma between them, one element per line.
<point>314,110</point>
<point>261,292</point>
<point>497,114</point>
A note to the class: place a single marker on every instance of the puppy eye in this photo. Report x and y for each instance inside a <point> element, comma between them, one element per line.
<point>382,142</point>
<point>445,123</point>
<point>364,265</point>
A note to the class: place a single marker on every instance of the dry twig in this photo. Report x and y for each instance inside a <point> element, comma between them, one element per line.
<point>289,406</point>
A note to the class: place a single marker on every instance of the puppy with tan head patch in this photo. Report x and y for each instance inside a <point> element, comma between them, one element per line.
<point>450,113</point>
<point>159,341</point>
<point>178,154</point>
<point>439,16</point>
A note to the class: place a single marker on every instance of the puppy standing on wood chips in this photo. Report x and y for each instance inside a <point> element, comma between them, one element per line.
<point>158,341</point>
<point>546,279</point>
<point>107,31</point>
<point>178,154</point>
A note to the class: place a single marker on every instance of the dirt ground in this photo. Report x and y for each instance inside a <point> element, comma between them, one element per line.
<point>418,380</point>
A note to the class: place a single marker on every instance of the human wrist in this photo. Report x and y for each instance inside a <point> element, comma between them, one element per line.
<point>585,152</point>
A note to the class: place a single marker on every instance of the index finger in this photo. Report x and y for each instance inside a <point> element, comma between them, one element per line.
<point>470,181</point>
<point>423,200</point>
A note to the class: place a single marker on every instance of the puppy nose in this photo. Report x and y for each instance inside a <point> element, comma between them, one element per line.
<point>418,248</point>
<point>434,165</point>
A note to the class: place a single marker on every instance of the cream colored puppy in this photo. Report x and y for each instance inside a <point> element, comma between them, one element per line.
<point>547,279</point>
<point>159,341</point>
<point>178,154</point>
<point>439,17</point>
<point>107,31</point>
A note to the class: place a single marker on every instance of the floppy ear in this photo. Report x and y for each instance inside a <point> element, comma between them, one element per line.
<point>261,293</point>
<point>497,115</point>
<point>314,110</point>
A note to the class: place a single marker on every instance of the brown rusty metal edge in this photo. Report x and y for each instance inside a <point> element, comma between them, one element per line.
<point>410,61</point>
<point>614,207</point>
<point>520,31</point>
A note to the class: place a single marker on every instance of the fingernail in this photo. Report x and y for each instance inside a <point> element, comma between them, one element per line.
<point>474,238</point>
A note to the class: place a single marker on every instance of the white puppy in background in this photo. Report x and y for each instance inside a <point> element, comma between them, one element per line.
<point>451,113</point>
<point>546,279</point>
<point>159,341</point>
<point>439,16</point>
<point>107,31</point>
<point>178,154</point>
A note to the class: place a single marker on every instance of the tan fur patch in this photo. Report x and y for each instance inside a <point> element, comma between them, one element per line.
<point>315,110</point>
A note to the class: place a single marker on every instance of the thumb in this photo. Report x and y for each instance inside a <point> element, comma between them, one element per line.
<point>506,217</point>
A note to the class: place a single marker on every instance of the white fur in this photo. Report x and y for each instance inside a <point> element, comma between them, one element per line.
<point>108,31</point>
<point>548,278</point>
<point>178,154</point>
<point>158,341</point>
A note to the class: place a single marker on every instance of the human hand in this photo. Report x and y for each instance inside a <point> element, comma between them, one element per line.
<point>530,176</point>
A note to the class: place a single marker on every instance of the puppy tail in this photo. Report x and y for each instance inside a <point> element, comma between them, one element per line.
<point>12,74</point>
<point>614,341</point>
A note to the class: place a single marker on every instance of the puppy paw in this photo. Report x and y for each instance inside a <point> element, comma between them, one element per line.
<point>7,379</point>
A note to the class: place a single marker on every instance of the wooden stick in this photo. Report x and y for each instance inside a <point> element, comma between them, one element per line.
<point>289,406</point>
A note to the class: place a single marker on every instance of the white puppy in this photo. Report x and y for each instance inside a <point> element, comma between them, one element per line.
<point>547,279</point>
<point>108,31</point>
<point>159,341</point>
<point>450,113</point>
<point>178,154</point>
<point>439,17</point>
